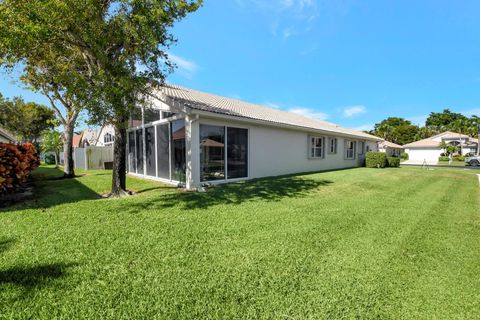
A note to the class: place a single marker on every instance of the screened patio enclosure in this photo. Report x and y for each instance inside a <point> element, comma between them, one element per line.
<point>157,150</point>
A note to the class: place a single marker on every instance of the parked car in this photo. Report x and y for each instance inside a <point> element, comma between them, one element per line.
<point>472,160</point>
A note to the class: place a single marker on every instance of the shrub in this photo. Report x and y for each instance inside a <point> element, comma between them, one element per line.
<point>376,160</point>
<point>443,158</point>
<point>458,157</point>
<point>16,164</point>
<point>393,162</point>
<point>404,156</point>
<point>50,158</point>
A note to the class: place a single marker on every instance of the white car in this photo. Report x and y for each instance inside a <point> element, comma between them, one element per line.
<point>472,160</point>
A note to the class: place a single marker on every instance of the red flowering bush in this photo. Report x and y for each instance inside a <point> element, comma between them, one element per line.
<point>16,164</point>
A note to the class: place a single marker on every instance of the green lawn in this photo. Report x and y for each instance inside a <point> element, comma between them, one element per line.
<point>453,163</point>
<point>359,243</point>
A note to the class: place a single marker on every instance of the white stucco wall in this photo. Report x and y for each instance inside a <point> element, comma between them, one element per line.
<point>276,151</point>
<point>421,154</point>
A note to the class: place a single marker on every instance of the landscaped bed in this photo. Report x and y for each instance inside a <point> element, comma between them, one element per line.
<point>359,243</point>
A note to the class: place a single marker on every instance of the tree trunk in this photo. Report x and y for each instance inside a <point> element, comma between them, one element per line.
<point>68,168</point>
<point>119,160</point>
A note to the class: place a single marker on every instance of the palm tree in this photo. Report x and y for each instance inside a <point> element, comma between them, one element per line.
<point>444,146</point>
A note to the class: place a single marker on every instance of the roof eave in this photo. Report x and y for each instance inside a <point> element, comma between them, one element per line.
<point>278,124</point>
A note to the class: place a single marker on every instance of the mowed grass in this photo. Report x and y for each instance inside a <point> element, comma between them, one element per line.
<point>359,243</point>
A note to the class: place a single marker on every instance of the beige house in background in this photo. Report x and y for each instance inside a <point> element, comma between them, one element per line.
<point>390,148</point>
<point>429,149</point>
<point>191,138</point>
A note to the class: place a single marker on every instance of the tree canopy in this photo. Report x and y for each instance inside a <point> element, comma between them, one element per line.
<point>111,52</point>
<point>27,120</point>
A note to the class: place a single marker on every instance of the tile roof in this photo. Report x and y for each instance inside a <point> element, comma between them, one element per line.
<point>389,144</point>
<point>217,104</point>
<point>430,143</point>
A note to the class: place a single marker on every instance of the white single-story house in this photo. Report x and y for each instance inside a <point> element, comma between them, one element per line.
<point>390,148</point>
<point>6,137</point>
<point>192,138</point>
<point>429,149</point>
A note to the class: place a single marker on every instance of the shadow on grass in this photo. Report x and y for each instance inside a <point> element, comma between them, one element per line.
<point>51,190</point>
<point>266,189</point>
<point>5,244</point>
<point>34,277</point>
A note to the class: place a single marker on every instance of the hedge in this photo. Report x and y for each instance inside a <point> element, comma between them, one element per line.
<point>458,157</point>
<point>443,158</point>
<point>16,164</point>
<point>393,162</point>
<point>376,160</point>
<point>404,156</point>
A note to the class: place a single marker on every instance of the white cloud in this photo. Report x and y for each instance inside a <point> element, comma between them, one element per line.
<point>286,18</point>
<point>471,112</point>
<point>365,127</point>
<point>186,68</point>
<point>352,111</point>
<point>310,113</point>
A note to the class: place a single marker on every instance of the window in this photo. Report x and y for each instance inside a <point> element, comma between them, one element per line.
<point>332,146</point>
<point>361,147</point>
<point>212,152</point>
<point>167,114</point>
<point>367,149</point>
<point>349,149</point>
<point>237,151</point>
<point>223,153</point>
<point>316,147</point>
<point>108,138</point>
<point>151,115</point>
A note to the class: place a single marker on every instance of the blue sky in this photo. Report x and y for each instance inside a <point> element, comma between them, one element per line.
<point>349,62</point>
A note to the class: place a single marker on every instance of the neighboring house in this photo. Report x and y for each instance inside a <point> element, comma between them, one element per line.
<point>106,136</point>
<point>193,137</point>
<point>429,149</point>
<point>390,148</point>
<point>6,137</point>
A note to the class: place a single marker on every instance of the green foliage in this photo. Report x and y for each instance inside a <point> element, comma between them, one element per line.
<point>27,120</point>
<point>404,156</point>
<point>50,159</point>
<point>393,162</point>
<point>52,141</point>
<point>442,121</point>
<point>443,158</point>
<point>106,54</point>
<point>376,160</point>
<point>395,129</point>
<point>277,248</point>
<point>458,157</point>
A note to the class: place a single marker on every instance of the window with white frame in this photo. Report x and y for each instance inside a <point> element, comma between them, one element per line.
<point>108,138</point>
<point>316,147</point>
<point>349,149</point>
<point>332,145</point>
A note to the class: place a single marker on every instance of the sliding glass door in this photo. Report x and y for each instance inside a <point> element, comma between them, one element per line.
<point>237,151</point>
<point>212,155</point>
<point>223,150</point>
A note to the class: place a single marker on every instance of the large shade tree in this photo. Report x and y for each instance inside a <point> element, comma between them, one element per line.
<point>116,48</point>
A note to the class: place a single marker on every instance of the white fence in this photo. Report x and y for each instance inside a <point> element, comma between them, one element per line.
<point>89,158</point>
